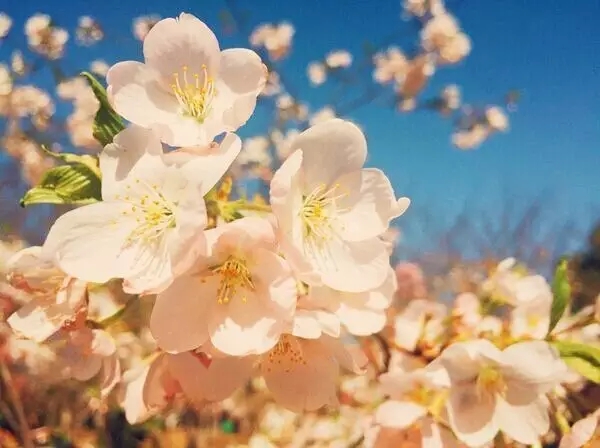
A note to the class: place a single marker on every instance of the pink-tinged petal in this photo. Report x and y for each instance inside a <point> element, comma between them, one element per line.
<point>525,424</point>
<point>247,234</point>
<point>178,320</point>
<point>242,71</point>
<point>463,360</point>
<point>533,368</point>
<point>83,368</point>
<point>111,374</point>
<point>399,414</point>
<point>144,394</point>
<point>173,44</point>
<point>471,415</point>
<point>33,321</point>
<point>330,149</point>
<point>299,385</point>
<point>347,353</point>
<point>119,159</point>
<point>351,266</point>
<point>305,325</point>
<point>369,204</point>
<point>361,321</point>
<point>213,383</point>
<point>581,432</point>
<point>207,165</point>
<point>408,325</point>
<point>102,343</point>
<point>435,436</point>
<point>239,112</point>
<point>155,273</point>
<point>138,96</point>
<point>88,242</point>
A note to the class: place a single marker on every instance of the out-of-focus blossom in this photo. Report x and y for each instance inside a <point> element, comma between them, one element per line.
<point>496,118</point>
<point>442,35</point>
<point>492,390</point>
<point>470,138</point>
<point>27,100</point>
<point>317,73</point>
<point>44,38</point>
<point>338,59</point>
<point>17,63</point>
<point>322,115</point>
<point>390,65</point>
<point>420,8</point>
<point>467,308</point>
<point>6,83</point>
<point>276,39</point>
<point>99,67</point>
<point>584,433</point>
<point>272,85</point>
<point>289,109</point>
<point>5,25</point>
<point>456,50</point>
<point>203,91</point>
<point>420,321</point>
<point>415,78</point>
<point>255,151</point>
<point>531,316</point>
<point>411,282</point>
<point>88,31</point>
<point>449,100</point>
<point>283,142</point>
<point>80,122</point>
<point>143,24</point>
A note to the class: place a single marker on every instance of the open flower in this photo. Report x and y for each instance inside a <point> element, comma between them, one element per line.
<point>422,319</point>
<point>240,297</point>
<point>150,225</point>
<point>331,211</point>
<point>492,390</point>
<point>361,313</point>
<point>54,297</point>
<point>584,433</point>
<point>187,90</point>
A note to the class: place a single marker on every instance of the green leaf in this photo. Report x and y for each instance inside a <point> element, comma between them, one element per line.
<point>561,290</point>
<point>583,358</point>
<point>107,123</point>
<point>66,184</point>
<point>85,159</point>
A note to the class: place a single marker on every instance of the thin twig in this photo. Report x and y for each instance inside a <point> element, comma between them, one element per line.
<point>23,426</point>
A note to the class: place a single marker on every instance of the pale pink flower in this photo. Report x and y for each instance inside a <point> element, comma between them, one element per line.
<point>27,100</point>
<point>490,325</point>
<point>255,151</point>
<point>439,31</point>
<point>493,390</point>
<point>338,59</point>
<point>80,126</point>
<point>283,142</point>
<point>531,317</point>
<point>88,31</point>
<point>187,90</point>
<point>584,433</point>
<point>331,211</point>
<point>5,25</point>
<point>390,65</point>
<point>142,25</point>
<point>361,313</point>
<point>449,100</point>
<point>240,297</point>
<point>276,39</point>
<point>324,114</point>
<point>54,297</point>
<point>496,118</point>
<point>6,83</point>
<point>17,63</point>
<point>456,50</point>
<point>411,282</point>
<point>99,67</point>
<point>44,38</point>
<point>317,73</point>
<point>470,138</point>
<point>411,396</point>
<point>420,8</point>
<point>421,320</point>
<point>467,307</point>
<point>84,353</point>
<point>150,224</point>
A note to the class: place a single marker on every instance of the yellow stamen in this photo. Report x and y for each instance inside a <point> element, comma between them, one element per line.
<point>194,95</point>
<point>490,381</point>
<point>235,277</point>
<point>286,355</point>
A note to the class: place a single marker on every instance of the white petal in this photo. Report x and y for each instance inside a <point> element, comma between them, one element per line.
<point>463,360</point>
<point>330,149</point>
<point>399,414</point>
<point>88,242</point>
<point>242,71</point>
<point>525,424</point>
<point>369,203</point>
<point>186,42</point>
<point>471,415</point>
<point>33,321</point>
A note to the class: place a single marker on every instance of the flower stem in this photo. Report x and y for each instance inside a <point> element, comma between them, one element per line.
<point>17,404</point>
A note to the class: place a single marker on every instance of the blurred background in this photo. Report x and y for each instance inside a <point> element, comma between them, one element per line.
<point>488,118</point>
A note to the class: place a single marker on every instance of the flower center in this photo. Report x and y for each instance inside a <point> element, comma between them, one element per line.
<point>194,96</point>
<point>318,215</point>
<point>421,394</point>
<point>286,355</point>
<point>235,276</point>
<point>153,213</point>
<point>490,381</point>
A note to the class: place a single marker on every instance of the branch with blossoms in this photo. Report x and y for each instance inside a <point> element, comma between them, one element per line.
<point>291,293</point>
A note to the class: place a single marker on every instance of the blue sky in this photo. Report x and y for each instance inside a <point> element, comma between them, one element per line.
<point>548,50</point>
